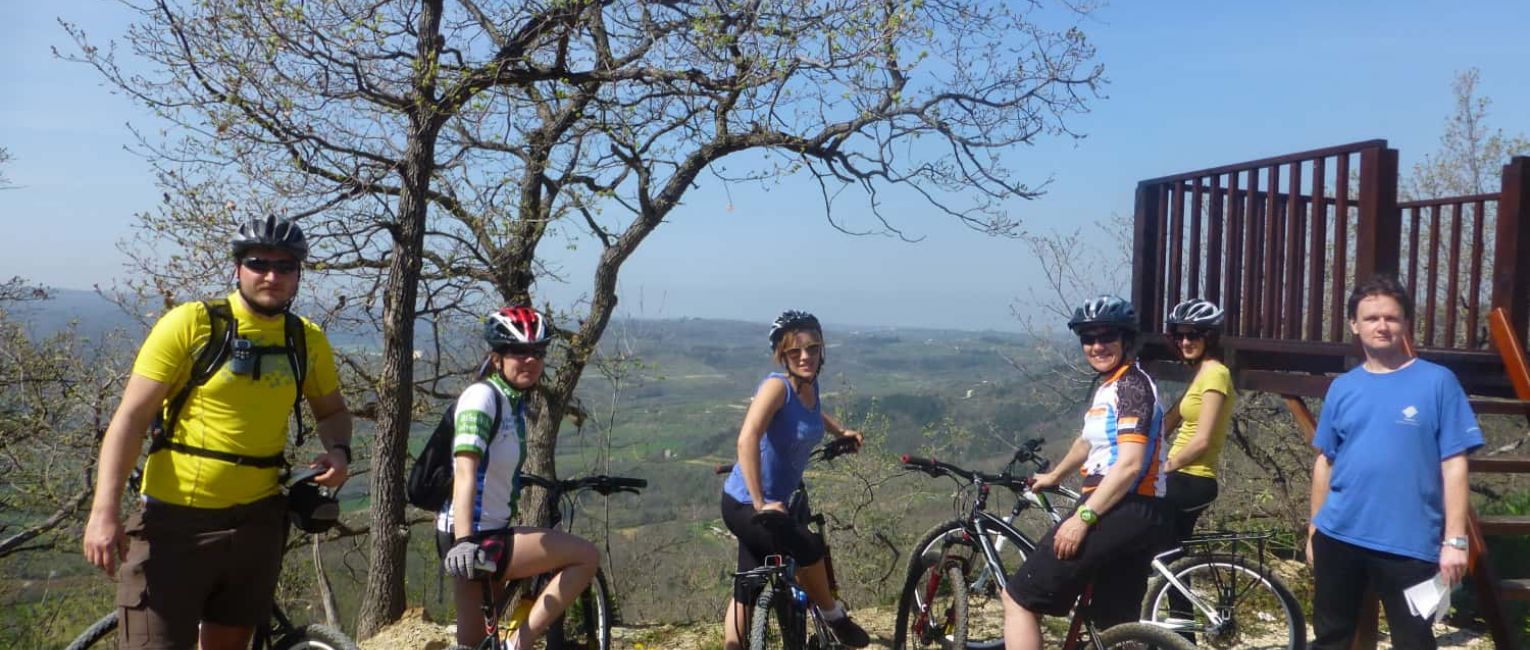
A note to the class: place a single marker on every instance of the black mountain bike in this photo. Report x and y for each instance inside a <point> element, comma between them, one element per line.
<point>586,623</point>
<point>783,614</point>
<point>968,559</point>
<point>957,576</point>
<point>278,634</point>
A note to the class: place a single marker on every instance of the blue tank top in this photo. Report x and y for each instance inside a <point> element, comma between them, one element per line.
<point>784,449</point>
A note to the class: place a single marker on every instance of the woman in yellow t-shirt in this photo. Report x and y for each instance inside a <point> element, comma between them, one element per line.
<point>1203,416</point>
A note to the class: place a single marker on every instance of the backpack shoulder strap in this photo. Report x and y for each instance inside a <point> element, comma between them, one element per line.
<point>498,409</point>
<point>297,355</point>
<point>222,330</point>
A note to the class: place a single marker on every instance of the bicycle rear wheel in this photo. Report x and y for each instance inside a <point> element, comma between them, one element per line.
<point>951,543</point>
<point>1142,636</point>
<point>777,623</point>
<point>586,624</point>
<point>101,634</point>
<point>315,637</point>
<point>1257,609</point>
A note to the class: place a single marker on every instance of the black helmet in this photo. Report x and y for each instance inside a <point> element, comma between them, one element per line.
<point>311,507</point>
<point>1195,313</point>
<point>789,320</point>
<point>1105,310</point>
<point>270,232</point>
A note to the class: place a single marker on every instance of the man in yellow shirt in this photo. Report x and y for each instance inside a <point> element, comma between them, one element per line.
<point>199,560</point>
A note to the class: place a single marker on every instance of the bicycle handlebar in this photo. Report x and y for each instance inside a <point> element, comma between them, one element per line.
<point>827,452</point>
<point>601,484</point>
<point>937,468</point>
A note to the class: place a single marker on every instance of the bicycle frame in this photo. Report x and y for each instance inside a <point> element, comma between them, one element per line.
<point>1161,566</point>
<point>557,492</point>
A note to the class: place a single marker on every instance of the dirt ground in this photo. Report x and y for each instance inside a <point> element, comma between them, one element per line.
<point>415,632</point>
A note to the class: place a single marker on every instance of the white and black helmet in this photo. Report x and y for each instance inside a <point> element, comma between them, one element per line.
<point>1105,310</point>
<point>1195,312</point>
<point>270,232</point>
<point>789,320</point>
<point>516,325</point>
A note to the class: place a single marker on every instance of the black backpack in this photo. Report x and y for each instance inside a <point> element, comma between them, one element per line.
<point>219,350</point>
<point>430,479</point>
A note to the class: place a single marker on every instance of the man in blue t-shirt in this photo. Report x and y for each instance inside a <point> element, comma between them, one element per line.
<point>1389,488</point>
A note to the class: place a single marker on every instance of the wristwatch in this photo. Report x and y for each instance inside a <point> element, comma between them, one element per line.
<point>1458,543</point>
<point>1089,517</point>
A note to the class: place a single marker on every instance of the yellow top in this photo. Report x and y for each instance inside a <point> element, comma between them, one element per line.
<point>1213,376</point>
<point>231,413</point>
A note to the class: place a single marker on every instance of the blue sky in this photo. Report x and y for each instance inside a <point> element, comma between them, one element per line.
<point>1192,85</point>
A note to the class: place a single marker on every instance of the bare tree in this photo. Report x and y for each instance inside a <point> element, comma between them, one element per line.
<point>56,394</point>
<point>5,159</point>
<point>446,153</point>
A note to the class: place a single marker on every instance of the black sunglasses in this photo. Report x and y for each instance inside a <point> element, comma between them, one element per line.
<point>1193,335</point>
<point>264,266</point>
<point>1102,338</point>
<point>522,351</point>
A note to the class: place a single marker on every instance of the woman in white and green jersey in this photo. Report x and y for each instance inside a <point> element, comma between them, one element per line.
<point>486,485</point>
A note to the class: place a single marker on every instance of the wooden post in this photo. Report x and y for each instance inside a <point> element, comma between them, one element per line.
<point>1146,288</point>
<point>1378,233</point>
<point>1511,260</point>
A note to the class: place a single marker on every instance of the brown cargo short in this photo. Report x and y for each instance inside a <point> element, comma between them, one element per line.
<point>188,565</point>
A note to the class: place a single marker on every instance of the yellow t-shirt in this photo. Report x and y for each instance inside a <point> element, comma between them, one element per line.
<point>1213,377</point>
<point>231,413</point>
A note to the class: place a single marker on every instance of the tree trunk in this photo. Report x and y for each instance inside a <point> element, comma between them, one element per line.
<point>383,599</point>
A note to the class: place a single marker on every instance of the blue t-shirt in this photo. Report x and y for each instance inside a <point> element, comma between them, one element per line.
<point>784,449</point>
<point>1385,435</point>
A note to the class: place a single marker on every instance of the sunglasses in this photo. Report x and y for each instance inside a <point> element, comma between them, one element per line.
<point>263,266</point>
<point>811,350</point>
<point>522,351</point>
<point>1193,335</point>
<point>1101,338</point>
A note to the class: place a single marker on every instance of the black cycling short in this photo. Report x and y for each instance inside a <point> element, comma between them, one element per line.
<point>1117,553</point>
<point>755,542</point>
<point>1189,496</point>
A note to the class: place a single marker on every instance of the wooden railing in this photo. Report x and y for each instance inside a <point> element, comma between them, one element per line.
<point>1279,242</point>
<point>1443,271</point>
<point>1276,241</point>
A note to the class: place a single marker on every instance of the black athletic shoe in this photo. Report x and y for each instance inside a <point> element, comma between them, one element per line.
<point>849,633</point>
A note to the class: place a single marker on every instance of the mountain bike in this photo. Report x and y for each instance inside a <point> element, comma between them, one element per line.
<point>279,633</point>
<point>1210,591</point>
<point>938,607</point>
<point>926,607</point>
<point>586,623</point>
<point>783,613</point>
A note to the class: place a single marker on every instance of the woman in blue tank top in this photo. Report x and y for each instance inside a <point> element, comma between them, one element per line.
<point>783,425</point>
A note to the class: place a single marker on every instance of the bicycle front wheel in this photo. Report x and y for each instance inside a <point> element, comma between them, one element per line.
<point>315,637</point>
<point>1255,607</point>
<point>777,623</point>
<point>936,614</point>
<point>1142,636</point>
<point>586,624</point>
<point>951,543</point>
<point>101,634</point>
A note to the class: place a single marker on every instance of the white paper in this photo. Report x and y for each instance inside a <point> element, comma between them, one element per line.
<point>1429,599</point>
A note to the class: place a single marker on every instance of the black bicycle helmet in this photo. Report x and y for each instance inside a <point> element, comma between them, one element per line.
<point>270,232</point>
<point>311,507</point>
<point>1105,310</point>
<point>1195,312</point>
<point>789,320</point>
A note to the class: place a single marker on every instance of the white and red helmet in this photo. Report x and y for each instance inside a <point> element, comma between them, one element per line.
<point>516,325</point>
